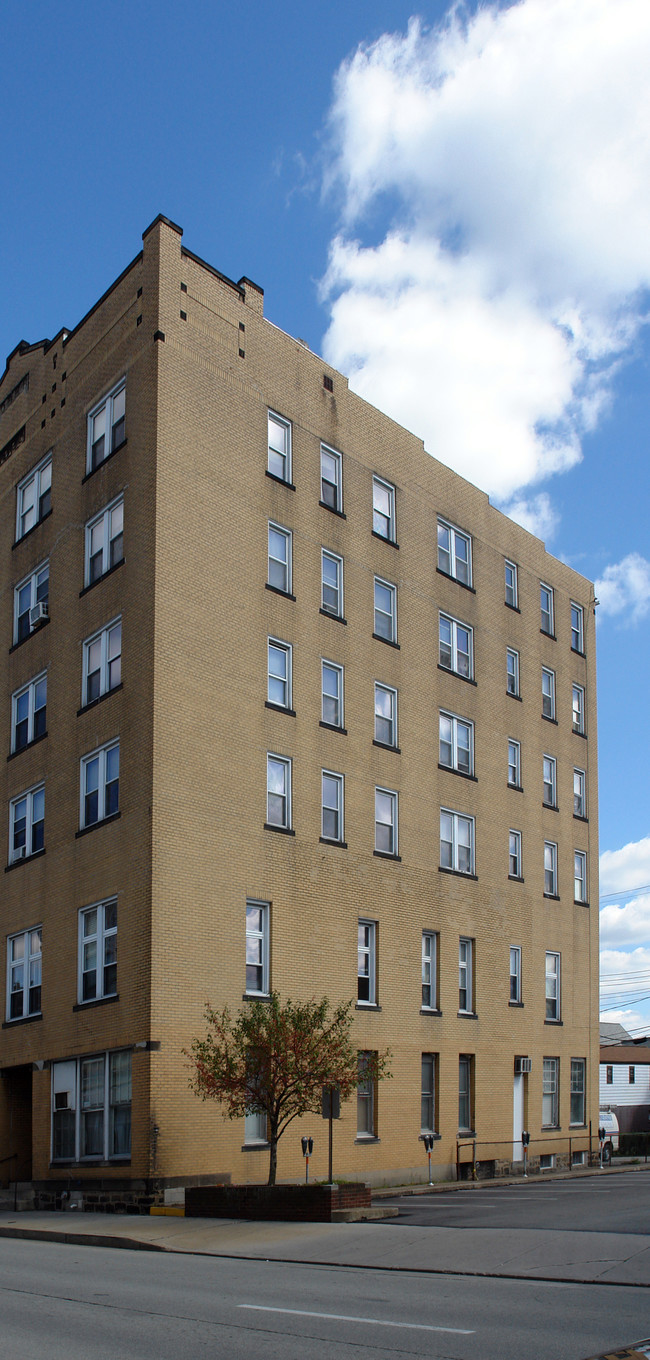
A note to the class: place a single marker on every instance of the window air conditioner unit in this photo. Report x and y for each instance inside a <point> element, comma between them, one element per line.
<point>62,1100</point>
<point>523,1065</point>
<point>38,613</point>
<point>20,852</point>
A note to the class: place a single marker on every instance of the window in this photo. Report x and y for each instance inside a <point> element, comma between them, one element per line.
<point>549,780</point>
<point>27,824</point>
<point>512,589</point>
<point>514,854</point>
<point>577,628</point>
<point>366,1123</point>
<point>456,842</point>
<point>512,672</point>
<point>465,1113</point>
<point>332,584</point>
<point>385,610</point>
<point>578,1067</point>
<point>279,464</point>
<point>279,673</point>
<point>257,950</point>
<point>456,743</point>
<point>546,606</point>
<point>332,806</point>
<point>91,1108</point>
<point>550,869</point>
<point>548,693</point>
<point>104,542</point>
<point>31,600</point>
<point>383,509</point>
<point>28,713</point>
<point>34,497</point>
<point>609,1075</point>
<point>578,709</point>
<point>429,971</point>
<point>24,974</point>
<point>580,876</point>
<point>456,647</point>
<point>631,1076</point>
<point>255,1126</point>
<point>465,976</point>
<point>579,793</point>
<point>552,986</point>
<point>367,963</point>
<point>454,553</point>
<point>331,492</point>
<point>278,791</point>
<point>428,1098</point>
<point>514,764</point>
<point>98,951</point>
<point>385,715</point>
<point>106,427</point>
<point>515,974</point>
<point>385,822</point>
<point>102,662</point>
<point>100,784</point>
<point>332,694</point>
<point>280,558</point>
<point>550,1092</point>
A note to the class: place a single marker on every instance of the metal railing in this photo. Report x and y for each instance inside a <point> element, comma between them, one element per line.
<point>550,1145</point>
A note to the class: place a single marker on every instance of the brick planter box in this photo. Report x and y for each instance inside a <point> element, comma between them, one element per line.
<point>300,1203</point>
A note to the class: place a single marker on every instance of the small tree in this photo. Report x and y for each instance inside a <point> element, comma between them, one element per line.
<point>274,1059</point>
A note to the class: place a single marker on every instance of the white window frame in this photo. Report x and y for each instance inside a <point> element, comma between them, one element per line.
<point>274,677</point>
<point>30,693</point>
<point>31,965</point>
<point>32,580</point>
<point>100,754</point>
<point>285,762</point>
<point>333,788</point>
<point>577,628</point>
<point>259,936</point>
<point>549,781</point>
<point>553,992</point>
<point>67,1081</point>
<point>106,638</point>
<point>334,585</point>
<point>256,1128</point>
<point>283,457</point>
<point>550,869</point>
<point>466,975</point>
<point>105,519</point>
<point>465,1076</point>
<point>550,1097</point>
<point>456,847</point>
<point>512,672</point>
<point>33,804</point>
<point>514,854</point>
<point>285,565</point>
<point>333,696</point>
<point>512,584</point>
<point>580,876</point>
<point>334,482</point>
<point>380,614</point>
<point>34,479</point>
<point>366,962</point>
<point>381,689</point>
<point>547,609</point>
<point>380,822</point>
<point>548,693</point>
<point>111,425</point>
<point>515,975</point>
<point>429,970</point>
<point>451,643</point>
<point>383,521</point>
<point>105,938</point>
<point>578,707</point>
<point>514,763</point>
<point>428,1093</point>
<point>578,1088</point>
<point>366,1098</point>
<point>451,741</point>
<point>579,793</point>
<point>449,552</point>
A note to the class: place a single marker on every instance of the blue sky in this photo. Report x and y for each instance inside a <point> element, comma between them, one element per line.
<point>478,189</point>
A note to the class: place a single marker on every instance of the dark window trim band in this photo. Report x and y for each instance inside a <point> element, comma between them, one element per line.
<point>386,746</point>
<point>103,821</point>
<point>467,680</point>
<point>388,641</point>
<point>280,708</point>
<point>282,830</point>
<point>32,632</point>
<point>100,699</point>
<point>29,532</point>
<point>461,773</point>
<point>457,873</point>
<point>384,854</point>
<point>332,509</point>
<point>382,539</point>
<point>280,480</point>
<point>12,754</point>
<point>277,591</point>
<point>449,577</point>
<point>104,461</point>
<point>116,566</point>
<point>328,840</point>
<point>27,859</point>
<point>338,618</point>
<point>334,727</point>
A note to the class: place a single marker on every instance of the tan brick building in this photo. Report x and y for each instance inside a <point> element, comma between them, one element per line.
<point>286,704</point>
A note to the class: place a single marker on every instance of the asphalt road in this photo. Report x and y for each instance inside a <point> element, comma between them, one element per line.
<point>60,1302</point>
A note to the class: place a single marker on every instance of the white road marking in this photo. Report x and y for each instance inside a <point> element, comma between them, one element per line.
<point>341,1317</point>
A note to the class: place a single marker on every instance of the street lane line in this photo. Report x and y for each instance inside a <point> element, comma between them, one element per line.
<point>341,1317</point>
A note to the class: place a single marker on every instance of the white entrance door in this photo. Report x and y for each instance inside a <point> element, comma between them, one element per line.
<point>517,1119</point>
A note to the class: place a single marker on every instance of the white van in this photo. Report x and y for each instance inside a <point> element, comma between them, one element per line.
<point>607,1120</point>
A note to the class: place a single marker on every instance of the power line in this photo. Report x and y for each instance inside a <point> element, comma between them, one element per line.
<point>626,892</point>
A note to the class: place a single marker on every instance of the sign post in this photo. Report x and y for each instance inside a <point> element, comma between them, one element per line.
<point>331,1109</point>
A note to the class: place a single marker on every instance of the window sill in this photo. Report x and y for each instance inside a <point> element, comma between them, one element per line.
<point>429,1010</point>
<point>578,1126</point>
<point>104,461</point>
<point>467,1015</point>
<point>545,718</point>
<point>578,903</point>
<point>388,641</point>
<point>27,859</point>
<point>104,821</point>
<point>385,854</point>
<point>457,873</point>
<point>32,530</point>
<point>449,577</point>
<point>277,591</point>
<point>255,1147</point>
<point>516,788</point>
<point>333,727</point>
<point>96,1001</point>
<point>576,815</point>
<point>516,1005</point>
<point>29,744</point>
<point>103,577</point>
<point>367,1138</point>
<point>332,509</point>
<point>514,607</point>
<point>554,1022</point>
<point>516,878</point>
<point>94,1162</point>
<point>550,1128</point>
<point>279,708</point>
<point>461,773</point>
<point>256,996</point>
<point>338,618</point>
<point>383,539</point>
<point>576,650</point>
<point>29,635</point>
<point>577,733</point>
<point>386,746</point>
<point>100,699</point>
<point>551,807</point>
<point>282,481</point>
<point>510,695</point>
<point>326,840</point>
<point>22,1020</point>
<point>281,830</point>
<point>367,1006</point>
<point>429,1133</point>
<point>466,678</point>
<point>467,1133</point>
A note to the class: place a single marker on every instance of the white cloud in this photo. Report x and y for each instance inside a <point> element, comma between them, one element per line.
<point>626,869</point>
<point>512,155</point>
<point>533,513</point>
<point>624,588</point>
<point>632,1020</point>
<point>626,924</point>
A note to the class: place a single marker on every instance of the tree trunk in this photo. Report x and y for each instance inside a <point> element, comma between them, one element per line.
<point>273,1158</point>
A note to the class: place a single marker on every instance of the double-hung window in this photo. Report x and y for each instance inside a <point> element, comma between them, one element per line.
<point>102,662</point>
<point>24,953</point>
<point>580,876</point>
<point>279,464</point>
<point>331,486</point>
<point>456,646</point>
<point>385,822</point>
<point>454,553</point>
<point>579,793</point>
<point>278,791</point>
<point>34,497</point>
<point>385,610</point>
<point>515,974</point>
<point>578,1103</point>
<point>385,715</point>
<point>514,764</point>
<point>383,509</point>
<point>465,1102</point>
<point>429,970</point>
<point>366,1096</point>
<point>98,951</point>
<point>577,628</point>
<point>332,806</point>
<point>27,824</point>
<point>512,589</point>
<point>428,1097</point>
<point>279,673</point>
<point>546,608</point>
<point>332,583</point>
<point>552,986</point>
<point>257,948</point>
<point>332,694</point>
<point>548,693</point>
<point>28,713</point>
<point>578,709</point>
<point>100,784</point>
<point>550,1093</point>
<point>91,1108</point>
<point>456,748</point>
<point>104,541</point>
<point>367,963</point>
<point>31,601</point>
<point>456,842</point>
<point>550,869</point>
<point>549,779</point>
<point>280,558</point>
<point>514,854</point>
<point>466,976</point>
<point>106,427</point>
<point>512,672</point>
